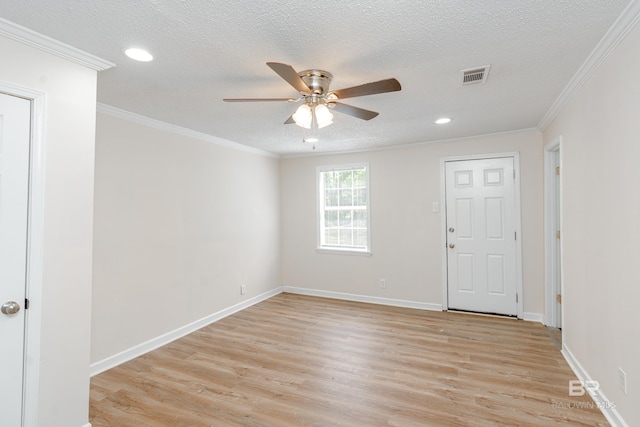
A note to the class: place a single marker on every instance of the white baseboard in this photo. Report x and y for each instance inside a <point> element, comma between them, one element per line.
<point>604,404</point>
<point>87,425</point>
<point>363,298</point>
<point>154,343</point>
<point>533,317</point>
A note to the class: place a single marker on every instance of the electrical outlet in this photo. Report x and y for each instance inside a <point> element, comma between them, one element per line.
<point>622,380</point>
<point>382,283</point>
<point>243,289</point>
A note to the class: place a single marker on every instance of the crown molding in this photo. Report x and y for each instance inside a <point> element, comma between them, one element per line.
<point>317,153</point>
<point>167,127</point>
<point>618,31</point>
<point>31,38</point>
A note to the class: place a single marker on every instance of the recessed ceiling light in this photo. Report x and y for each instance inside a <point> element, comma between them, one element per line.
<point>443,120</point>
<point>139,54</point>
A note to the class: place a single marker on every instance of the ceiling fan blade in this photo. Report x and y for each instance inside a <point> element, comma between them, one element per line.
<point>289,120</point>
<point>287,72</point>
<point>258,99</point>
<point>358,112</point>
<point>382,86</point>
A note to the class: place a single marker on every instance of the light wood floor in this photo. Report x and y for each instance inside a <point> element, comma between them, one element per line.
<point>303,361</point>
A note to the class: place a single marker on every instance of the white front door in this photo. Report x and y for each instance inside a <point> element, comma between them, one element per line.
<point>15,118</point>
<point>481,240</point>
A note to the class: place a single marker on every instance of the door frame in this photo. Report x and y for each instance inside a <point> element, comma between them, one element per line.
<point>515,155</point>
<point>551,225</point>
<point>35,239</point>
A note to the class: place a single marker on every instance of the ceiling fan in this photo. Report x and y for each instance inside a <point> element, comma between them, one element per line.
<point>318,100</point>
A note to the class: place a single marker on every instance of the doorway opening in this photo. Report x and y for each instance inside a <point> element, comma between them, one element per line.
<point>553,233</point>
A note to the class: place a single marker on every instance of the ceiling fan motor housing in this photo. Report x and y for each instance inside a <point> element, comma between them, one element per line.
<point>317,80</point>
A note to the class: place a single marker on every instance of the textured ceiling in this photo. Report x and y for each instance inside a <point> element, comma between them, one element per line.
<point>208,50</point>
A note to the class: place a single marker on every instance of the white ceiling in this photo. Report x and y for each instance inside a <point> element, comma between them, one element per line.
<point>208,50</point>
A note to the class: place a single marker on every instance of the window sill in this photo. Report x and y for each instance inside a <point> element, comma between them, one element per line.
<point>343,251</point>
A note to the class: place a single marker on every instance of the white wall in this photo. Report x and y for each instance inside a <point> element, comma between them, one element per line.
<point>64,302</point>
<point>600,130</point>
<point>180,224</point>
<point>406,235</point>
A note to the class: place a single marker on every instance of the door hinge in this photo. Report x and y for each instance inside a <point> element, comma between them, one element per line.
<point>559,298</point>
<point>515,235</point>
<point>516,297</point>
<point>558,234</point>
<point>26,303</point>
<point>557,170</point>
<point>514,174</point>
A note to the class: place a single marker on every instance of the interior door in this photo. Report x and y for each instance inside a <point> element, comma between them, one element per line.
<point>481,240</point>
<point>15,118</point>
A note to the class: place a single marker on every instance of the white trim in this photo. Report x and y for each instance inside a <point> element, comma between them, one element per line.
<point>604,404</point>
<point>518,226</point>
<point>327,250</point>
<point>317,153</point>
<point>35,239</point>
<point>533,317</point>
<point>168,127</point>
<point>159,341</point>
<point>443,237</point>
<point>550,238</point>
<point>87,425</point>
<point>40,41</point>
<point>362,298</point>
<point>620,28</point>
<point>518,222</point>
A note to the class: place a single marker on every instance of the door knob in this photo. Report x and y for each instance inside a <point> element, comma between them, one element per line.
<point>451,245</point>
<point>10,307</point>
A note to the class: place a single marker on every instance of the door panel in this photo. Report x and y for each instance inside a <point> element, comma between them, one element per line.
<point>15,116</point>
<point>495,275</point>
<point>465,273</point>
<point>464,216</point>
<point>494,217</point>
<point>481,247</point>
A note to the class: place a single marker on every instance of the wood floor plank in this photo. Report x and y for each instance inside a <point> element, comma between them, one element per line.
<point>303,361</point>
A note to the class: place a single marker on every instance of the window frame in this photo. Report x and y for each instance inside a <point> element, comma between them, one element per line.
<point>320,210</point>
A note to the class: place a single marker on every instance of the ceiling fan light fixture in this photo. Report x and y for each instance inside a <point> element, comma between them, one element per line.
<point>303,116</point>
<point>323,116</point>
<point>443,121</point>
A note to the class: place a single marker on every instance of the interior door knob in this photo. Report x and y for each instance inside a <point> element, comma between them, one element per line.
<point>10,307</point>
<point>451,245</point>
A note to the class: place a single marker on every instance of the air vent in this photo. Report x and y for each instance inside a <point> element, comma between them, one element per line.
<point>473,76</point>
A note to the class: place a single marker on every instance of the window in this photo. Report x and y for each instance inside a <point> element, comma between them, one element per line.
<point>343,203</point>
